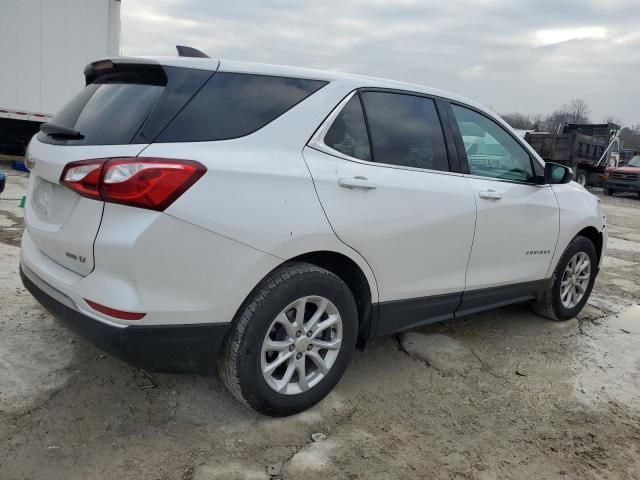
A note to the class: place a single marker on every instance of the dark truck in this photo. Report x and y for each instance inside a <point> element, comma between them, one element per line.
<point>582,147</point>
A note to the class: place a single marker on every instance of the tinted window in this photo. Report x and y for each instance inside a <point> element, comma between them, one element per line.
<point>348,133</point>
<point>405,130</point>
<point>107,112</point>
<point>232,105</point>
<point>491,151</point>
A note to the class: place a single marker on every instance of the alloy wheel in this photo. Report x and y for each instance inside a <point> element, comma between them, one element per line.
<point>575,280</point>
<point>301,345</point>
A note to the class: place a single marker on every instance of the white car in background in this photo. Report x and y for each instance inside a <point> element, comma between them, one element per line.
<point>187,212</point>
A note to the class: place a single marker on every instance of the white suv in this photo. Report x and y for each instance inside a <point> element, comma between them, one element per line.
<point>187,212</point>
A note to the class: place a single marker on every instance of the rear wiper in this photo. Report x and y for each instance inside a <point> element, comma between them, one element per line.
<point>58,131</point>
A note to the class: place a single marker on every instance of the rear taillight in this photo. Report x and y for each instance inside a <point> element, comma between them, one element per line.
<point>152,183</point>
<point>83,177</point>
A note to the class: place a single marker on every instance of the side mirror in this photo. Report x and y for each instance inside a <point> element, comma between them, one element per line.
<point>554,173</point>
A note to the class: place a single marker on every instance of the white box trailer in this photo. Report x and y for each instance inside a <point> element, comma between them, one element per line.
<point>44,47</point>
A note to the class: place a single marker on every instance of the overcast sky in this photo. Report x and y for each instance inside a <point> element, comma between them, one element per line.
<point>520,55</point>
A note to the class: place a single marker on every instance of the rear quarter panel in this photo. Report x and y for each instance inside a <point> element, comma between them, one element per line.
<point>258,190</point>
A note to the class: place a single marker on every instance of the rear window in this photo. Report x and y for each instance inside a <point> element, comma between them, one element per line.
<point>149,103</point>
<point>232,105</point>
<point>111,110</point>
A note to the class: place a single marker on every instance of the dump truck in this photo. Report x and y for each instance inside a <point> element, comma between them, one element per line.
<point>585,148</point>
<point>45,47</point>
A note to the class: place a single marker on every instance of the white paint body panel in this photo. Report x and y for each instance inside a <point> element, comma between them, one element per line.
<point>415,228</point>
<point>579,209</point>
<point>45,47</point>
<point>62,223</point>
<point>525,219</point>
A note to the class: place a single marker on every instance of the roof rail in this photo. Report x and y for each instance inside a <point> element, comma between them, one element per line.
<point>190,52</point>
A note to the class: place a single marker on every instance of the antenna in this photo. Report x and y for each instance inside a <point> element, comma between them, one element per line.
<point>190,52</point>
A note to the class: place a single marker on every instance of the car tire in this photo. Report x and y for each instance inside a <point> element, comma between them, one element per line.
<point>246,366</point>
<point>581,177</point>
<point>552,302</point>
<point>609,191</point>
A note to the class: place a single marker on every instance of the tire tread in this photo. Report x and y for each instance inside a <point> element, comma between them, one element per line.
<point>228,363</point>
<point>543,305</point>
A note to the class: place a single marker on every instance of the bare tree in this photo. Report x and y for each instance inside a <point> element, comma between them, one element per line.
<point>518,120</point>
<point>578,111</point>
<point>630,137</point>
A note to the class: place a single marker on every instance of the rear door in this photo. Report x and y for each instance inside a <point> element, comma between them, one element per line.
<point>113,117</point>
<point>518,218</point>
<point>380,164</point>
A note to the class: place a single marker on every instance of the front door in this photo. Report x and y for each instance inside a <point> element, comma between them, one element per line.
<point>518,219</point>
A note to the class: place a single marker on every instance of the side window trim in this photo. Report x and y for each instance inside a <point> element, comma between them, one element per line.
<point>464,161</point>
<point>453,148</point>
<point>441,104</point>
<point>366,124</point>
<point>317,139</point>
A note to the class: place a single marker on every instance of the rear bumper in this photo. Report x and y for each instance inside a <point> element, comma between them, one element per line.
<point>161,348</point>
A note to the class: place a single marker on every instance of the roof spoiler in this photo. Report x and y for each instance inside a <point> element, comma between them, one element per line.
<point>190,52</point>
<point>137,70</point>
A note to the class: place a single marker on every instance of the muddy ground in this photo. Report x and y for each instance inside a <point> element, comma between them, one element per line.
<point>504,394</point>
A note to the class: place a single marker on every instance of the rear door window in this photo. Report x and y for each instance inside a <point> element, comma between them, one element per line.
<point>348,132</point>
<point>232,105</point>
<point>405,130</point>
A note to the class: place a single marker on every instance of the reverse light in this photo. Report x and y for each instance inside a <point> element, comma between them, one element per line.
<point>112,312</point>
<point>83,177</point>
<point>151,183</point>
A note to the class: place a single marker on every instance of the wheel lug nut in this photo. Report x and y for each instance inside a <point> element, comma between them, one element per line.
<point>309,347</point>
<point>299,356</point>
<point>298,333</point>
<point>292,348</point>
<point>309,333</point>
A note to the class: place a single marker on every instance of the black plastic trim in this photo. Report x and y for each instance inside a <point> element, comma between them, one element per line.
<point>395,316</point>
<point>474,301</point>
<point>172,348</point>
<point>366,124</point>
<point>398,315</point>
<point>444,112</point>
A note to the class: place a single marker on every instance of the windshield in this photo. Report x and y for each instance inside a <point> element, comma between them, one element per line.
<point>634,162</point>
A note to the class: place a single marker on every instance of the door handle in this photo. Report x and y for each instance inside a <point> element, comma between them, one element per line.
<point>490,194</point>
<point>356,182</point>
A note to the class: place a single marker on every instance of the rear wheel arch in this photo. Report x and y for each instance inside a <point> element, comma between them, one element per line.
<point>350,273</point>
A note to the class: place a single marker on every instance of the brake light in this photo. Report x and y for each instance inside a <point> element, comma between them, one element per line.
<point>112,312</point>
<point>151,183</point>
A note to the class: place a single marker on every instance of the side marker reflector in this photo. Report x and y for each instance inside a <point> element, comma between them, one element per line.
<point>112,312</point>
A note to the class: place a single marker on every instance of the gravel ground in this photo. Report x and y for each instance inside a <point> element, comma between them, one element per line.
<point>504,394</point>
